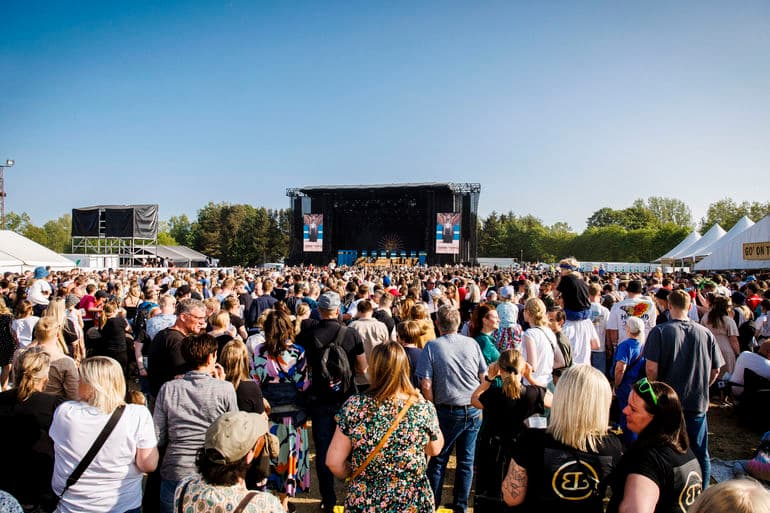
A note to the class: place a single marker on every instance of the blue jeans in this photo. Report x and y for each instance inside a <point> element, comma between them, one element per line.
<point>460,427</point>
<point>323,430</point>
<point>698,433</point>
<point>167,490</point>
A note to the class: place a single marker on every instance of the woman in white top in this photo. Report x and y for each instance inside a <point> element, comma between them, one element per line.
<point>538,341</point>
<point>113,480</point>
<point>23,327</point>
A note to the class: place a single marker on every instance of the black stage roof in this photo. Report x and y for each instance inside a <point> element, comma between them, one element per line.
<point>456,187</point>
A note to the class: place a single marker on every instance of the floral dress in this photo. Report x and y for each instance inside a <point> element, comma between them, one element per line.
<point>291,473</point>
<point>395,480</point>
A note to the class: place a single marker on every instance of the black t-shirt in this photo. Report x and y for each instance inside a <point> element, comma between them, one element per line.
<point>325,332</point>
<point>574,292</point>
<point>386,319</point>
<point>165,359</point>
<point>677,475</point>
<point>562,478</point>
<point>249,397</point>
<point>114,334</point>
<point>504,417</point>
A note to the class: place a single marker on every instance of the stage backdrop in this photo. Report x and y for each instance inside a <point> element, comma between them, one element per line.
<point>448,233</point>
<point>313,233</point>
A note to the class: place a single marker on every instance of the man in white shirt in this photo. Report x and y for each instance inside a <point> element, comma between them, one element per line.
<point>634,305</point>
<point>758,362</point>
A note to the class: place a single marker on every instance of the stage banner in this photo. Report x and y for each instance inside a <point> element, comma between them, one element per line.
<point>448,233</point>
<point>313,233</point>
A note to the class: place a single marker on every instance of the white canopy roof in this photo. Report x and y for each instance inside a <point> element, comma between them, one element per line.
<point>700,247</point>
<point>19,254</point>
<point>729,255</point>
<point>686,243</point>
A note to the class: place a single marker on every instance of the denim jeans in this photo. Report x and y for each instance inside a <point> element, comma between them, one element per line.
<point>460,427</point>
<point>324,426</point>
<point>167,490</point>
<point>698,432</point>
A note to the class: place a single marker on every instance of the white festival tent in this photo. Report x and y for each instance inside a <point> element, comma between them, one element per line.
<point>730,254</point>
<point>700,248</point>
<point>686,243</point>
<point>742,225</point>
<point>19,254</point>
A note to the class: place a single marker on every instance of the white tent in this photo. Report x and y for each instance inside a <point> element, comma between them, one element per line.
<point>730,254</point>
<point>738,228</point>
<point>19,254</point>
<point>698,248</point>
<point>686,243</point>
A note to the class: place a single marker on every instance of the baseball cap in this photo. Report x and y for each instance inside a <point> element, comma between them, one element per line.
<point>329,301</point>
<point>233,435</point>
<point>40,272</point>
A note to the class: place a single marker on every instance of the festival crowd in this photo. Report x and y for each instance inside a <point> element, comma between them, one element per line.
<point>177,390</point>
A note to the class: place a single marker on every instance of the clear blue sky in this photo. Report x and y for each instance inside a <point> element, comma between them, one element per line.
<point>556,108</point>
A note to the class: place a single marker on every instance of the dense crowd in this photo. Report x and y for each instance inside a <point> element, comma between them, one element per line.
<point>198,390</point>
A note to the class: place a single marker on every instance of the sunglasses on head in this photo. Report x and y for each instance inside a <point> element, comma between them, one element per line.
<point>643,388</point>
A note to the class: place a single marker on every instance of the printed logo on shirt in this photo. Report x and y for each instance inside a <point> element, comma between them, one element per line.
<point>638,310</point>
<point>690,491</point>
<point>574,480</point>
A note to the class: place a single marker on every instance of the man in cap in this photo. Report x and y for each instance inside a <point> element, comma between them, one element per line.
<point>39,292</point>
<point>232,442</point>
<point>324,398</point>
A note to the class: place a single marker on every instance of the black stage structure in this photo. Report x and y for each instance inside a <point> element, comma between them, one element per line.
<point>391,219</point>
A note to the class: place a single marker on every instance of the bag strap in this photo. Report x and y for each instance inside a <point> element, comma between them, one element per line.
<point>179,505</point>
<point>340,336</point>
<point>244,502</point>
<point>95,447</point>
<point>383,441</point>
<point>636,360</point>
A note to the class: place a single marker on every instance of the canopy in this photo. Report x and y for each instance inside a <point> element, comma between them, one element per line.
<point>180,255</point>
<point>746,249</point>
<point>699,248</point>
<point>686,243</point>
<point>19,254</point>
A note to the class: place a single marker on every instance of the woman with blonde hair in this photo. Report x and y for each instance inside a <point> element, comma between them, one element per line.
<point>395,479</point>
<point>538,341</point>
<point>222,330</point>
<point>234,359</point>
<point>57,312</point>
<point>112,482</point>
<point>63,372</point>
<point>735,496</point>
<point>302,314</point>
<point>575,448</point>
<point>26,413</point>
<point>420,314</point>
<point>507,403</point>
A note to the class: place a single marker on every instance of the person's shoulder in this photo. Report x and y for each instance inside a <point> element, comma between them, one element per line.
<point>611,444</point>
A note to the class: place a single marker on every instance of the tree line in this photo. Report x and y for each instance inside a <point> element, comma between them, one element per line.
<point>240,234</point>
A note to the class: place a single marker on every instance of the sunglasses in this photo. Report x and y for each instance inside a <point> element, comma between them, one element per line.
<point>645,391</point>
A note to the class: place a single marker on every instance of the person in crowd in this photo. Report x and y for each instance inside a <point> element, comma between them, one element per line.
<point>599,317</point>
<point>231,444</point>
<point>556,321</point>
<point>575,448</point>
<point>395,479</point>
<point>302,318</point>
<point>234,359</point>
<point>408,334</point>
<point>484,323</point>
<point>281,369</point>
<point>39,292</point>
<point>7,345</point>
<point>574,297</point>
<point>371,331</point>
<point>164,319</point>
<point>720,322</point>
<point>222,330</point>
<point>184,410</point>
<point>507,404</point>
<point>538,341</point>
<point>23,326</point>
<point>758,362</point>
<point>628,367</point>
<point>113,480</point>
<point>384,314</point>
<point>232,306</point>
<point>63,372</point>
<point>325,396</point>
<point>633,305</point>
<point>73,329</point>
<point>113,328</point>
<point>57,311</point>
<point>132,300</point>
<point>26,413</point>
<point>682,340</point>
<point>661,302</point>
<point>450,369</point>
<point>508,335</point>
<point>264,302</point>
<point>735,496</point>
<point>91,303</point>
<point>659,472</point>
<point>420,313</point>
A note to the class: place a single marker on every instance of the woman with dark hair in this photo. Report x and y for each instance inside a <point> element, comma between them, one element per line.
<point>392,478</point>
<point>659,473</point>
<point>507,404</point>
<point>484,322</point>
<point>719,321</point>
<point>281,369</point>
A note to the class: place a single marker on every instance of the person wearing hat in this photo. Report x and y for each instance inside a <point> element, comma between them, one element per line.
<point>232,442</point>
<point>661,301</point>
<point>324,401</point>
<point>39,292</point>
<point>634,305</point>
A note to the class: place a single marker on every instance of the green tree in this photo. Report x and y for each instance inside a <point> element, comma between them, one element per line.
<point>59,234</point>
<point>726,212</point>
<point>17,222</point>
<point>181,229</point>
<point>605,217</point>
<point>166,239</point>
<point>668,210</point>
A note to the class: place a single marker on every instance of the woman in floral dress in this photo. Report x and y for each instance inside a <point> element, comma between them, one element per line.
<point>281,369</point>
<point>395,480</point>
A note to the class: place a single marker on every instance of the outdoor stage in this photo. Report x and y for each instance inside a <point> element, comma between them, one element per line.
<point>433,223</point>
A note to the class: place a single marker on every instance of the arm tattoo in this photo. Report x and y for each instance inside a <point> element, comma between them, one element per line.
<point>515,484</point>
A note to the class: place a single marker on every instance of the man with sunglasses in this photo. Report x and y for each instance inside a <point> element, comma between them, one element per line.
<point>685,355</point>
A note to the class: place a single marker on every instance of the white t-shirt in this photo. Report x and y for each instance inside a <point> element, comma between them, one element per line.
<point>599,317</point>
<point>24,329</point>
<point>639,306</point>
<point>543,340</point>
<point>580,334</point>
<point>112,482</point>
<point>748,360</point>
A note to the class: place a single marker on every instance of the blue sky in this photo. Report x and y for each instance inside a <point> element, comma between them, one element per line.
<point>556,108</point>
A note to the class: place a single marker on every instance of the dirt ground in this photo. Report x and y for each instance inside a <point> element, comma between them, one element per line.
<point>728,440</point>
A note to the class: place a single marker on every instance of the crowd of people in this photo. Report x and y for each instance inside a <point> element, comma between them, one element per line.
<point>198,390</point>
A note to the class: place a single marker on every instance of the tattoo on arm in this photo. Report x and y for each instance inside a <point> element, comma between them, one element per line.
<point>515,484</point>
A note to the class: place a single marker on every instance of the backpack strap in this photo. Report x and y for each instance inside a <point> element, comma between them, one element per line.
<point>179,507</point>
<point>244,502</point>
<point>340,336</point>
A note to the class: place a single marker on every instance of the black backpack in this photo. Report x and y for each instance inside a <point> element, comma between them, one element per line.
<point>335,371</point>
